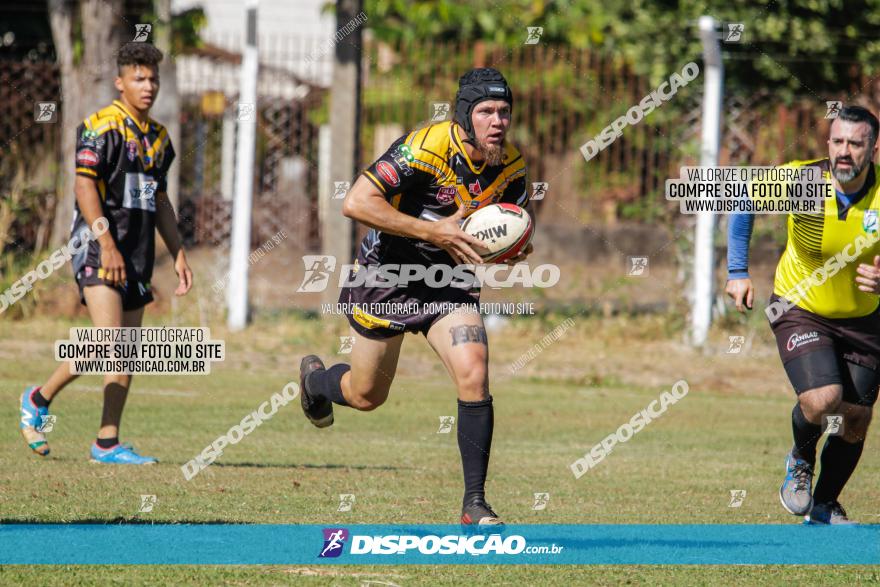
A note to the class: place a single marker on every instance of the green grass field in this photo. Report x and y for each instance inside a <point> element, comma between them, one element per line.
<point>730,432</point>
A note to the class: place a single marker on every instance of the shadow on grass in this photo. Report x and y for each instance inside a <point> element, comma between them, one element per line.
<point>251,465</point>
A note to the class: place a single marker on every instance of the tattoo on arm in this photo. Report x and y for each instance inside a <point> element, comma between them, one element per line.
<point>468,333</point>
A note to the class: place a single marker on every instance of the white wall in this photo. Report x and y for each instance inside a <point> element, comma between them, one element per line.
<point>288,32</point>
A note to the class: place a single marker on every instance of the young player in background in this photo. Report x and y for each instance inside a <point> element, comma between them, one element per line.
<point>122,159</point>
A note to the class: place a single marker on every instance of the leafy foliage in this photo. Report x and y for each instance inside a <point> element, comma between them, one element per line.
<point>813,47</point>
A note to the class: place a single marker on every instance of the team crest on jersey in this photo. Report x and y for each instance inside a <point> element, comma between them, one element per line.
<point>159,157</point>
<point>147,157</point>
<point>475,189</point>
<point>870,222</point>
<point>90,138</point>
<point>132,148</point>
<point>403,157</point>
<point>446,195</point>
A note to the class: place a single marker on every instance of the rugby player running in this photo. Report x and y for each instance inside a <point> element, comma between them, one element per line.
<point>442,173</point>
<point>827,330</point>
<point>122,159</point>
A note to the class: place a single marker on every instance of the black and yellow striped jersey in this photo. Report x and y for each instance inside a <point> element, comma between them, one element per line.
<point>129,163</point>
<point>428,172</point>
<point>818,267</point>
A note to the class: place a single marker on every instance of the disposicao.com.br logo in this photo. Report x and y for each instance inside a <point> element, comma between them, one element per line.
<point>431,544</point>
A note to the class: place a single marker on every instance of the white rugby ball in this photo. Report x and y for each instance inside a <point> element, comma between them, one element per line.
<point>505,230</point>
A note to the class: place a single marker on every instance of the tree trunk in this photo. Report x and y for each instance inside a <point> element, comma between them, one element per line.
<point>86,84</point>
<point>167,109</point>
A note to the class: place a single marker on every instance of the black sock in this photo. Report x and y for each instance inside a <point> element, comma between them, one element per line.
<point>39,400</point>
<point>806,436</point>
<point>327,383</point>
<point>475,423</point>
<point>107,442</point>
<point>839,460</point>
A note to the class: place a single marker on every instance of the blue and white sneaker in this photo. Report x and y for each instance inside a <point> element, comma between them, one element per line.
<point>831,513</point>
<point>796,493</point>
<point>31,422</point>
<point>121,454</point>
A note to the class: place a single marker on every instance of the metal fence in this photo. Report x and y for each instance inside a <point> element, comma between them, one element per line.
<point>563,97</point>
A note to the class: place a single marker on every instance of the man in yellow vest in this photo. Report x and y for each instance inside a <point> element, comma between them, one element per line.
<point>824,314</point>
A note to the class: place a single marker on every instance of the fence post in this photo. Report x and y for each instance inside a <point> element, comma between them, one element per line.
<point>336,230</point>
<point>704,246</point>
<point>244,176</point>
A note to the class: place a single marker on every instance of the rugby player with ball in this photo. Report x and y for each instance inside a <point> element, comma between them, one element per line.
<point>415,198</point>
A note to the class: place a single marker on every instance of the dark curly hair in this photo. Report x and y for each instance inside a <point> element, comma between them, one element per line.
<point>859,114</point>
<point>138,54</point>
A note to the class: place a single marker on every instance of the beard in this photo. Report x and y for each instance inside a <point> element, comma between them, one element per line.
<point>491,153</point>
<point>847,175</point>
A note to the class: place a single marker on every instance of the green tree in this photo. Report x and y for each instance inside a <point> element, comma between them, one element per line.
<point>806,47</point>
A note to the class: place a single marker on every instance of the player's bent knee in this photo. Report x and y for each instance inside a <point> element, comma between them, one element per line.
<point>816,403</point>
<point>368,398</point>
<point>856,424</point>
<point>366,403</point>
<point>473,385</point>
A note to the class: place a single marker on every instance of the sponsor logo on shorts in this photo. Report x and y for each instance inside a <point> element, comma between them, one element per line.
<point>386,171</point>
<point>371,322</point>
<point>798,339</point>
<point>87,157</point>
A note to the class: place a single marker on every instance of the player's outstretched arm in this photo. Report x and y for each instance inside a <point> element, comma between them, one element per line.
<point>739,284</point>
<point>89,203</point>
<point>366,204</point>
<point>166,224</point>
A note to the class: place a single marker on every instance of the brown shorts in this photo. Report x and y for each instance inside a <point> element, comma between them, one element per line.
<point>856,340</point>
<point>135,293</point>
<point>385,312</point>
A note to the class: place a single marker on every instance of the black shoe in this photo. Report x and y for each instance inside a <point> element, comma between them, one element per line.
<point>829,513</point>
<point>479,513</point>
<point>318,410</point>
